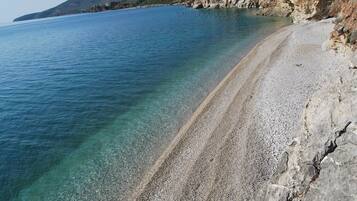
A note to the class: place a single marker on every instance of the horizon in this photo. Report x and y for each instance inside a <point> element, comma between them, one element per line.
<point>12,9</point>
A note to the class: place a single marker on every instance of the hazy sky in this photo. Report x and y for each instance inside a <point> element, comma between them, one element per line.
<point>10,9</point>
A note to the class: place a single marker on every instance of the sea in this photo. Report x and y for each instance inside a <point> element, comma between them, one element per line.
<point>88,102</point>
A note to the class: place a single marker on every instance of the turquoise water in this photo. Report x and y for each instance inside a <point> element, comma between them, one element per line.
<point>88,102</point>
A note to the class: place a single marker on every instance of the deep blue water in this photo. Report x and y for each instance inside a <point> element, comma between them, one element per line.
<point>88,102</point>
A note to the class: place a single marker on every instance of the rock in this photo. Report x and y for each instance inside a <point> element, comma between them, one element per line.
<point>338,19</point>
<point>353,37</point>
<point>246,4</point>
<point>345,34</point>
<point>197,6</point>
<point>277,193</point>
<point>283,163</point>
<point>321,165</point>
<point>227,4</point>
<point>339,28</point>
<point>276,7</point>
<point>188,4</point>
<point>214,6</point>
<point>338,170</point>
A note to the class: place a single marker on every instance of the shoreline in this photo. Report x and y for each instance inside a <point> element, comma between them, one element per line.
<point>198,112</point>
<point>231,145</point>
<point>228,57</point>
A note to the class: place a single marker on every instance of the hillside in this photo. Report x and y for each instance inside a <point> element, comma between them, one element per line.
<point>85,6</point>
<point>68,7</point>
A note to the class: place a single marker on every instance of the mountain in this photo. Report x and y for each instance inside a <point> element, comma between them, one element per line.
<point>85,6</point>
<point>68,7</point>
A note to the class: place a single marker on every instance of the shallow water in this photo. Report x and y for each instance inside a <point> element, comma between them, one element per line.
<point>87,102</point>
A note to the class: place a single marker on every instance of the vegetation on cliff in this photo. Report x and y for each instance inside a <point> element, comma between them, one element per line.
<point>85,6</point>
<point>66,8</point>
<point>128,4</point>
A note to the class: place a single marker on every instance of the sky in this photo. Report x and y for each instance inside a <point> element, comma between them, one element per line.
<point>11,9</point>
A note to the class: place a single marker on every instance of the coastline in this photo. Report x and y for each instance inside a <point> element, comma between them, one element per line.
<point>156,119</point>
<point>198,113</point>
<point>231,145</point>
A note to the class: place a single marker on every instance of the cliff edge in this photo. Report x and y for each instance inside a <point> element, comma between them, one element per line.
<point>345,11</point>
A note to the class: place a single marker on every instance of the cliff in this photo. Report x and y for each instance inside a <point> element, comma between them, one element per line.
<point>345,31</point>
<point>299,10</point>
<point>320,163</point>
<point>225,3</point>
<point>345,11</point>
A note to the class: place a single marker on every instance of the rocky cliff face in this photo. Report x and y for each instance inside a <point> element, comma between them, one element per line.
<point>345,31</point>
<point>225,3</point>
<point>303,10</point>
<point>320,164</point>
<point>299,10</point>
<point>276,7</point>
